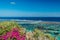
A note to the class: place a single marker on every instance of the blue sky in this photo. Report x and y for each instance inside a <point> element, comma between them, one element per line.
<point>29,8</point>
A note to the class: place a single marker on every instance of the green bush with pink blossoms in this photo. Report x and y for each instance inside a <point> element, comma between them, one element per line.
<point>11,30</point>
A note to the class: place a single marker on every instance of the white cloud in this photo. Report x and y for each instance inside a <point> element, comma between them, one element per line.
<point>13,3</point>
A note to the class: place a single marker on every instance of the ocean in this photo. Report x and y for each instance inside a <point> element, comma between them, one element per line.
<point>54,19</point>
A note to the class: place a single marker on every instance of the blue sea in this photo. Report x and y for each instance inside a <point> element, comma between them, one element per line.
<point>54,19</point>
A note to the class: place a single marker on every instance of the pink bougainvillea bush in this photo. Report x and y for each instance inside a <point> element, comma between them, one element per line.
<point>11,31</point>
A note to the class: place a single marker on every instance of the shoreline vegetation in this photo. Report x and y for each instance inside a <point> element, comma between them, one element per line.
<point>10,30</point>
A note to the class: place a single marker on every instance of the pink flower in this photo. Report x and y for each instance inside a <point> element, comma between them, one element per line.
<point>13,34</point>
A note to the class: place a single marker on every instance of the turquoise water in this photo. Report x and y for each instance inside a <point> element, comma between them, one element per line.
<point>58,37</point>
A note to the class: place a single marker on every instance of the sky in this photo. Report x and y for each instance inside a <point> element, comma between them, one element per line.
<point>29,8</point>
